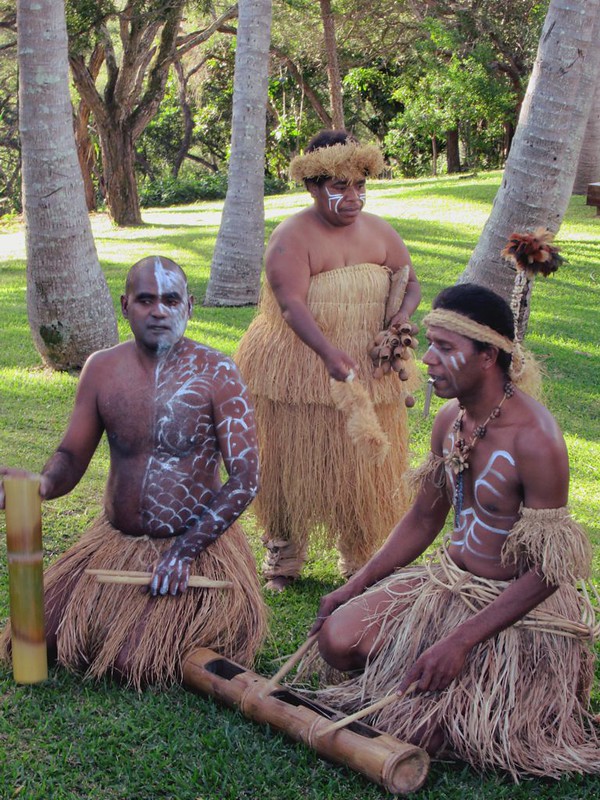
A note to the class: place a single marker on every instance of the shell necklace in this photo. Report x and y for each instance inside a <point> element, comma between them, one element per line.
<point>458,458</point>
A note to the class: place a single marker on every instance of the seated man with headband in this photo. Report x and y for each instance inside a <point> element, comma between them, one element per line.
<point>489,642</point>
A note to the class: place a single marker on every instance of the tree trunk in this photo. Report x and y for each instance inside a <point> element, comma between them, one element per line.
<point>132,92</point>
<point>120,185</point>
<point>452,151</point>
<point>85,146</point>
<point>69,305</point>
<point>85,153</point>
<point>540,169</point>
<point>333,67</point>
<point>237,259</point>
<point>588,167</point>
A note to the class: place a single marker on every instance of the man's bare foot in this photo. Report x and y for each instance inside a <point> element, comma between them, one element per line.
<point>279,583</point>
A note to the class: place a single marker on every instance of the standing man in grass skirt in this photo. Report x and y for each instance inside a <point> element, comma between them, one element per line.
<point>328,270</point>
<point>173,411</point>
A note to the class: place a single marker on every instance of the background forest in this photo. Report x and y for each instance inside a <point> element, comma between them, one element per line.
<point>437,83</point>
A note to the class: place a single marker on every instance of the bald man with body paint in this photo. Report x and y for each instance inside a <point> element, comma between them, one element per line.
<point>173,411</point>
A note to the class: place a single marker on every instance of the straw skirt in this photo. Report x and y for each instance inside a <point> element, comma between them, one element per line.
<point>521,702</point>
<point>316,482</point>
<point>99,621</point>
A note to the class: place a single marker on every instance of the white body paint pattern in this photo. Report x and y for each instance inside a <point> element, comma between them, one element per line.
<point>472,528</point>
<point>181,487</point>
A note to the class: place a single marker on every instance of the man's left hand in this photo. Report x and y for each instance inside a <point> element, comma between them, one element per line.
<point>171,575</point>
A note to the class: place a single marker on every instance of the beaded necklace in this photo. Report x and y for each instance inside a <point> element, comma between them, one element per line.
<point>458,458</point>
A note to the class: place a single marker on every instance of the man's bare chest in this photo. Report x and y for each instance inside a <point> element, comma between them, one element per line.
<point>169,416</point>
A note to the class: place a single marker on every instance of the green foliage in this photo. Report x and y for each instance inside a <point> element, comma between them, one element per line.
<point>445,90</point>
<point>161,140</point>
<point>169,191</point>
<point>84,18</point>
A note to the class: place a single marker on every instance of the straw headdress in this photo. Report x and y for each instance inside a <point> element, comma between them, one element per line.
<point>350,161</point>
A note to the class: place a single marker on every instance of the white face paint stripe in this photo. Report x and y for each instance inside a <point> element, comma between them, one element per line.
<point>333,197</point>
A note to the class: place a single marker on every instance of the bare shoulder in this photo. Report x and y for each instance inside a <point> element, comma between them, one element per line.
<point>103,362</point>
<point>537,432</point>
<point>292,231</point>
<point>220,367</point>
<point>540,453</point>
<point>397,254</point>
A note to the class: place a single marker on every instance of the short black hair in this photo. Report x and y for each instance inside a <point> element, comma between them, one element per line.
<point>327,138</point>
<point>484,306</point>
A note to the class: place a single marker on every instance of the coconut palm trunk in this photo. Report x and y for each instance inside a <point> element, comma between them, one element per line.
<point>588,168</point>
<point>70,309</point>
<point>540,169</point>
<point>237,258</point>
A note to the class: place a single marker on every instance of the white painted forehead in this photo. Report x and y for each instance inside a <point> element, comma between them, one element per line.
<point>167,280</point>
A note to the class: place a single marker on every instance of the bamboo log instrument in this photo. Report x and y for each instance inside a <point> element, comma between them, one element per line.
<point>398,766</point>
<point>364,712</point>
<point>290,663</point>
<point>143,578</point>
<point>26,579</point>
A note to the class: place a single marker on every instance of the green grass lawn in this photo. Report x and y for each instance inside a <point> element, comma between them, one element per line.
<point>68,739</point>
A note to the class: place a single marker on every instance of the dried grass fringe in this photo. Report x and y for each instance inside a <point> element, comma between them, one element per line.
<point>349,307</point>
<point>314,480</point>
<point>316,483</point>
<point>551,540</point>
<point>364,430</point>
<point>431,469</point>
<point>521,703</point>
<point>101,619</point>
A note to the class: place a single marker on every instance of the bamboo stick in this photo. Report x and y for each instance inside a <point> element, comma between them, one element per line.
<point>26,578</point>
<point>291,662</point>
<point>143,579</point>
<point>364,712</point>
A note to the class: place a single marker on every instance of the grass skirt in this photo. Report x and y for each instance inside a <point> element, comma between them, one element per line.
<point>521,702</point>
<point>315,481</point>
<point>100,620</point>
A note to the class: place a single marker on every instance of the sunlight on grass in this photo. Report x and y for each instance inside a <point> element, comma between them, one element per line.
<point>74,740</point>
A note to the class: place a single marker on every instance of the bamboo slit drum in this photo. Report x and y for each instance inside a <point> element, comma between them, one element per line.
<point>26,579</point>
<point>397,766</point>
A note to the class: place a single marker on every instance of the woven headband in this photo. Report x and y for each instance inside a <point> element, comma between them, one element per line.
<point>465,326</point>
<point>349,162</point>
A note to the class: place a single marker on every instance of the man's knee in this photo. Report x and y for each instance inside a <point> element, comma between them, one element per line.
<point>341,643</point>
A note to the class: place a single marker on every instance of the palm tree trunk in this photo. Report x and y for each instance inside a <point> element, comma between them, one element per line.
<point>70,309</point>
<point>588,168</point>
<point>540,169</point>
<point>237,259</point>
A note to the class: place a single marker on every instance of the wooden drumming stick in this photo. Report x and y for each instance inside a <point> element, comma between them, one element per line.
<point>290,663</point>
<point>376,706</point>
<point>143,578</point>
